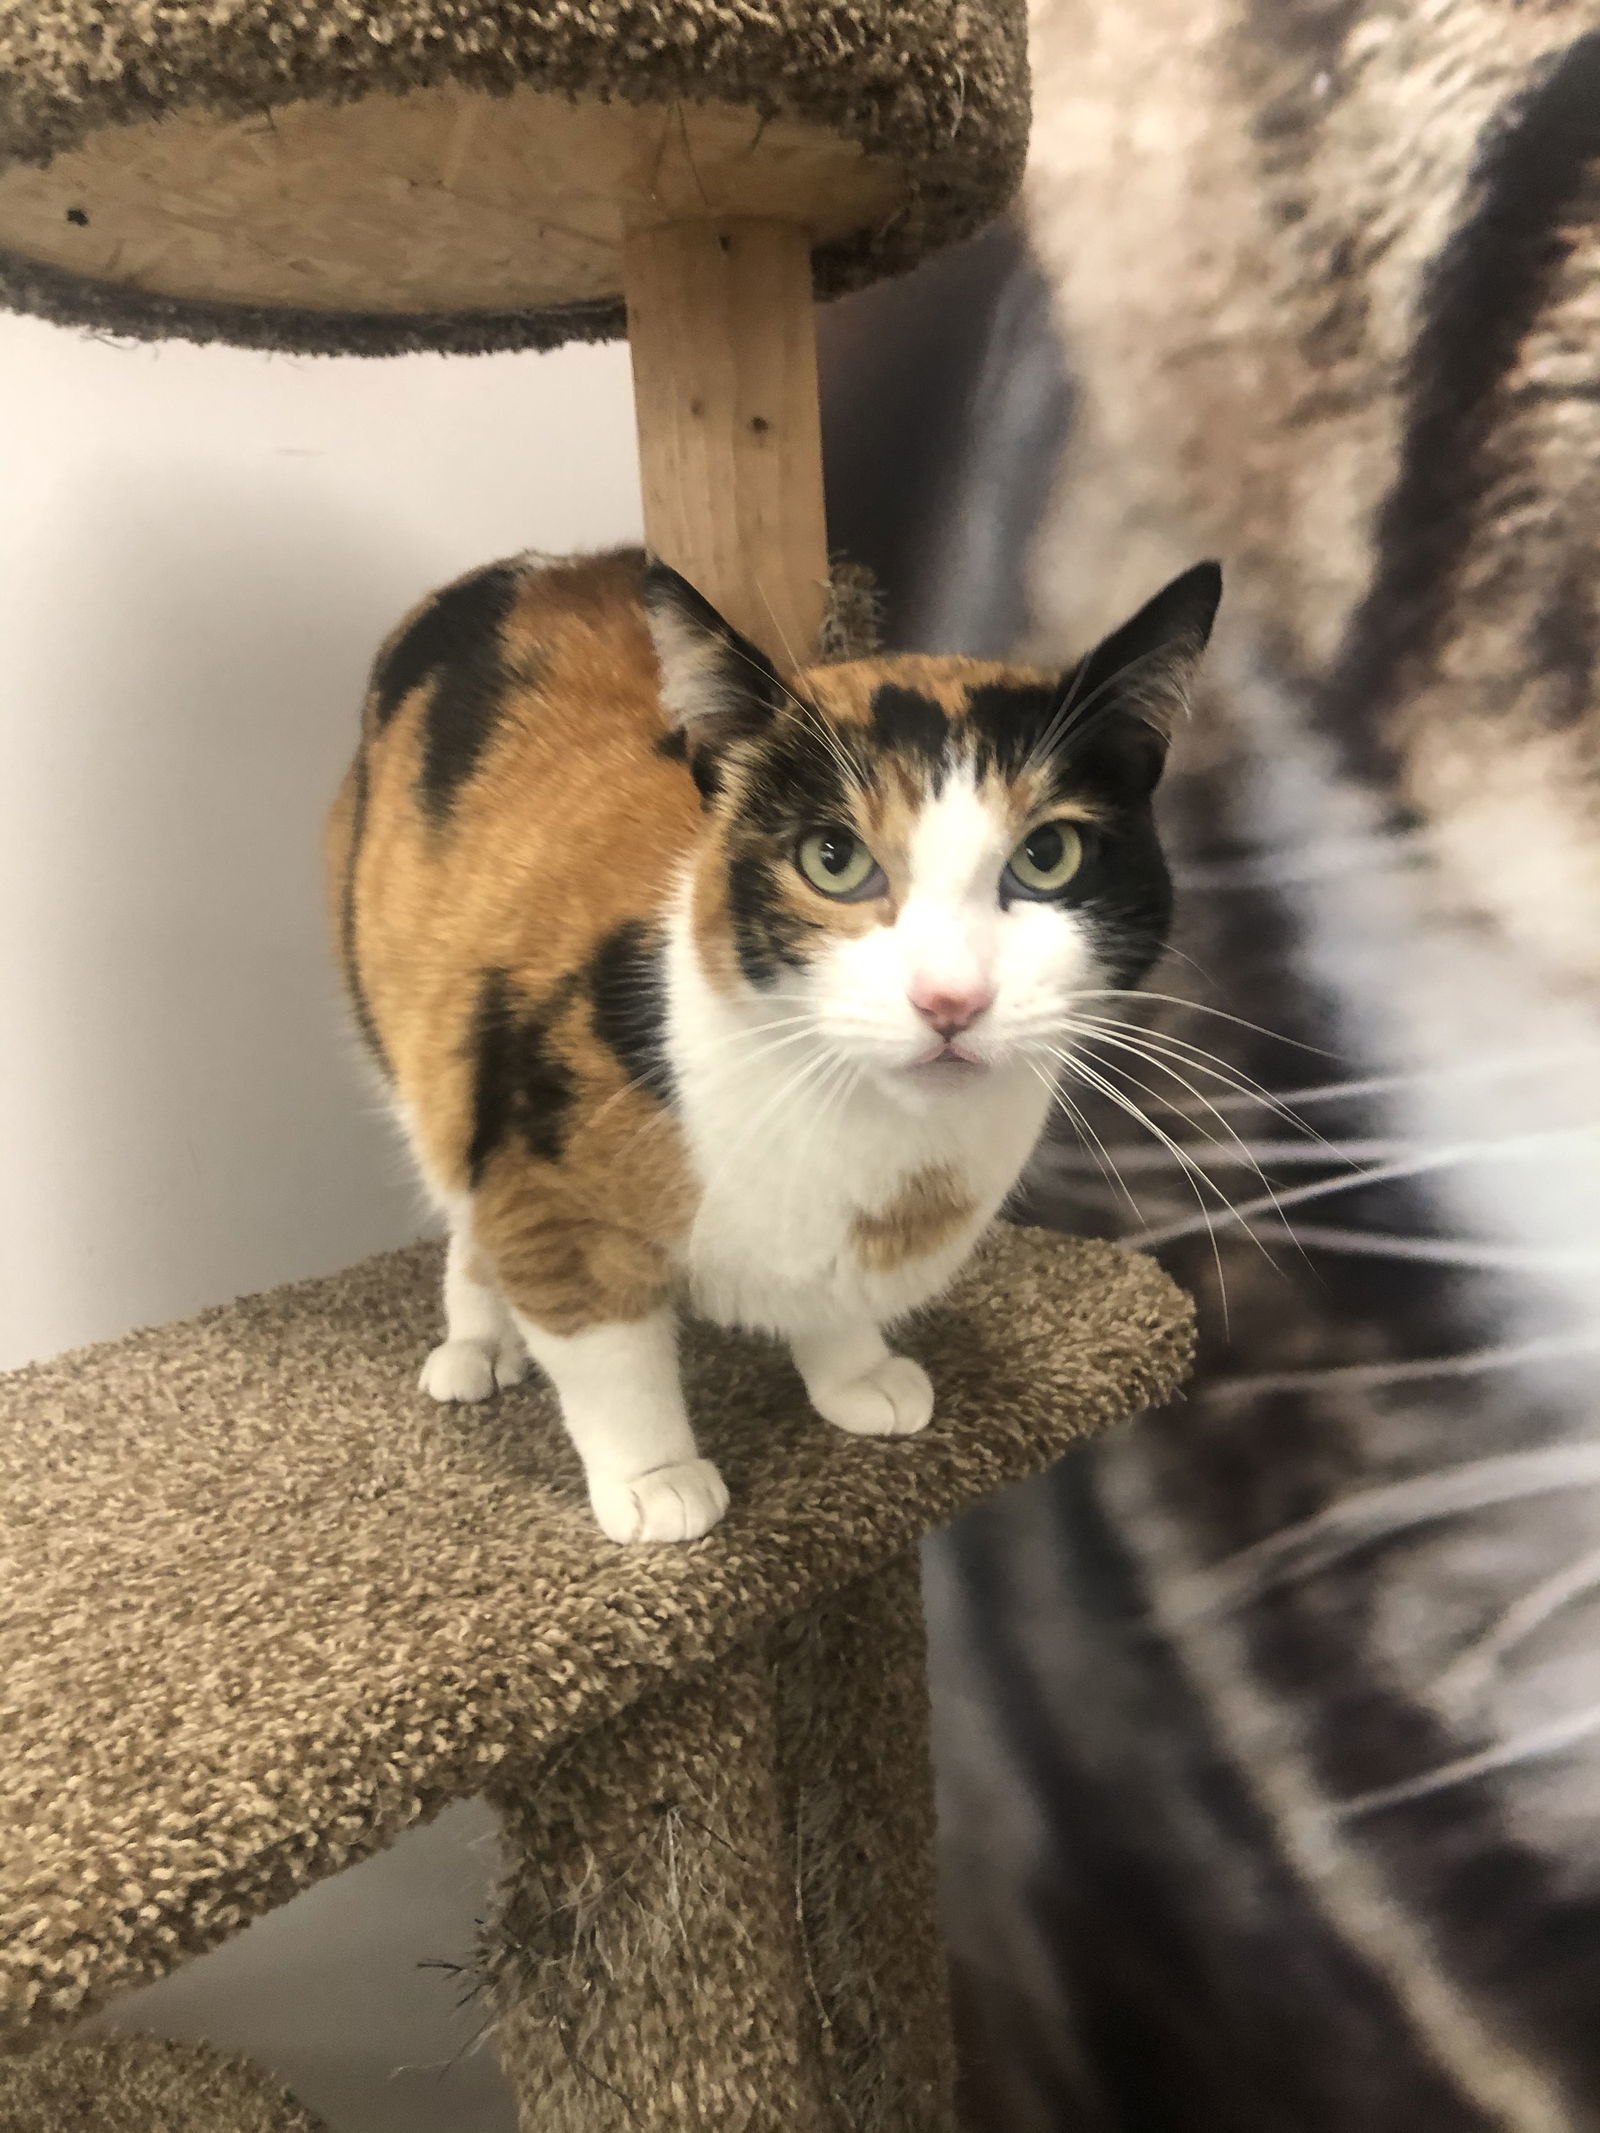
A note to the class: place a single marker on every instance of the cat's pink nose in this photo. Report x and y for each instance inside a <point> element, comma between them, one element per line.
<point>950,1008</point>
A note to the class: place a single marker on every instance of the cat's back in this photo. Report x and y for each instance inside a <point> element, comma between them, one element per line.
<point>518,684</point>
<point>510,805</point>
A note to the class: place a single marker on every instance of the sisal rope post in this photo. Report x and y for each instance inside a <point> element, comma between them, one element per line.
<point>723,335</point>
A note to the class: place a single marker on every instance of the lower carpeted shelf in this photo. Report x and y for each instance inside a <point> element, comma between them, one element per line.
<point>264,1605</point>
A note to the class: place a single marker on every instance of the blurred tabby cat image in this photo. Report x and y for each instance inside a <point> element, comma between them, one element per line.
<point>1270,1728</point>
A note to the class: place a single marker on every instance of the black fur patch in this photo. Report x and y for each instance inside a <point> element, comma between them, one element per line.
<point>1008,722</point>
<point>444,632</point>
<point>1563,645</point>
<point>910,724</point>
<point>1122,890</point>
<point>627,982</point>
<point>798,780</point>
<point>455,644</point>
<point>767,932</point>
<point>1125,892</point>
<point>350,961</point>
<point>520,1086</point>
<point>1486,294</point>
<point>465,707</point>
<point>1097,722</point>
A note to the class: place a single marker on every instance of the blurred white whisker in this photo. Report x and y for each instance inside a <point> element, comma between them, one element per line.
<point>1532,1745</point>
<point>1470,1674</point>
<point>1314,1544</point>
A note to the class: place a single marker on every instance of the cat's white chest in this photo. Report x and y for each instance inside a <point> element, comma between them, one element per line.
<point>835,1208</point>
<point>820,1196</point>
<point>779,1194</point>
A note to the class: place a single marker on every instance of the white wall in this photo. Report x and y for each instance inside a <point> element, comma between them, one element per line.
<point>200,550</point>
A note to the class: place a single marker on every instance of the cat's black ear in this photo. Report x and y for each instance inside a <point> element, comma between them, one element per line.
<point>1127,696</point>
<point>716,686</point>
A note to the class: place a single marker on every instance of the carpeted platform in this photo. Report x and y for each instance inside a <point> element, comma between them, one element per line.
<point>143,2085</point>
<point>264,1605</point>
<point>370,176</point>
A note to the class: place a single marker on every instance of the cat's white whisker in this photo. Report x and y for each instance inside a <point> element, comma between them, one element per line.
<point>1367,1377</point>
<point>1470,1675</point>
<point>1288,1154</point>
<point>1115,1184</point>
<point>1120,1039</point>
<point>810,1071</point>
<point>1200,1007</point>
<point>1534,1744</point>
<point>1410,1166</point>
<point>1209,1063</point>
<point>1195,1176</point>
<point>1392,1084</point>
<point>1445,1251</point>
<point>1133,1242</point>
<point>1301,1550</point>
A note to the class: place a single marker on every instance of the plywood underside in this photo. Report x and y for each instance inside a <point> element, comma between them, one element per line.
<point>443,200</point>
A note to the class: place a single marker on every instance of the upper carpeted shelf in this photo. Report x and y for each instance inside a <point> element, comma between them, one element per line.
<point>375,175</point>
<point>265,1606</point>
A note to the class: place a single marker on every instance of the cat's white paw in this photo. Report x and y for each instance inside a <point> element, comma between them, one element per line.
<point>512,1363</point>
<point>670,1503</point>
<point>892,1399</point>
<point>470,1370</point>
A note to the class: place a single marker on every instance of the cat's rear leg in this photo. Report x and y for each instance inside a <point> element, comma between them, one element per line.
<point>482,1348</point>
<point>858,1383</point>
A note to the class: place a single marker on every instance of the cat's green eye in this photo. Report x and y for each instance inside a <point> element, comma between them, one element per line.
<point>836,861</point>
<point>1046,859</point>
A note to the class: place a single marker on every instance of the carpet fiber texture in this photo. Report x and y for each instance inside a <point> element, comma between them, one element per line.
<point>143,2085</point>
<point>937,87</point>
<point>262,1605</point>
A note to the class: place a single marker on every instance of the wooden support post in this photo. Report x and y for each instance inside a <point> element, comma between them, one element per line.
<point>730,439</point>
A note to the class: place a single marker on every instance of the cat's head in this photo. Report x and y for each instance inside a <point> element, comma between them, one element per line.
<point>926,863</point>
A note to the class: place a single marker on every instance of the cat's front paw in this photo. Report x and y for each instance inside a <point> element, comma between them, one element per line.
<point>670,1503</point>
<point>470,1370</point>
<point>892,1399</point>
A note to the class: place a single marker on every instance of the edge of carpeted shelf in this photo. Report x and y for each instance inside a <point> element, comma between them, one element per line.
<point>144,2085</point>
<point>266,1606</point>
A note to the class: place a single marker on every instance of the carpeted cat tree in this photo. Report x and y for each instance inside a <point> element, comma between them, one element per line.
<point>263,1607</point>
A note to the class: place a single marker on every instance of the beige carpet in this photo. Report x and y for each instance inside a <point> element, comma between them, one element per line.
<point>143,2085</point>
<point>263,1605</point>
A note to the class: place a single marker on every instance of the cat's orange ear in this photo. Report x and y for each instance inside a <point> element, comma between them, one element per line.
<point>716,686</point>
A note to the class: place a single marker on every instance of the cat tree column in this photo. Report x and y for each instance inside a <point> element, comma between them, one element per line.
<point>730,434</point>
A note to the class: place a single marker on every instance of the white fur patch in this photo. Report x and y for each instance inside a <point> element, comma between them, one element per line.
<point>806,1105</point>
<point>696,680</point>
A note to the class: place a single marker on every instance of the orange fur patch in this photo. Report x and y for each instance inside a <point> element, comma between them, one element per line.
<point>931,1207</point>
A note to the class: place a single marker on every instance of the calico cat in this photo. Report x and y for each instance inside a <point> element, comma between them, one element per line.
<point>695,981</point>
